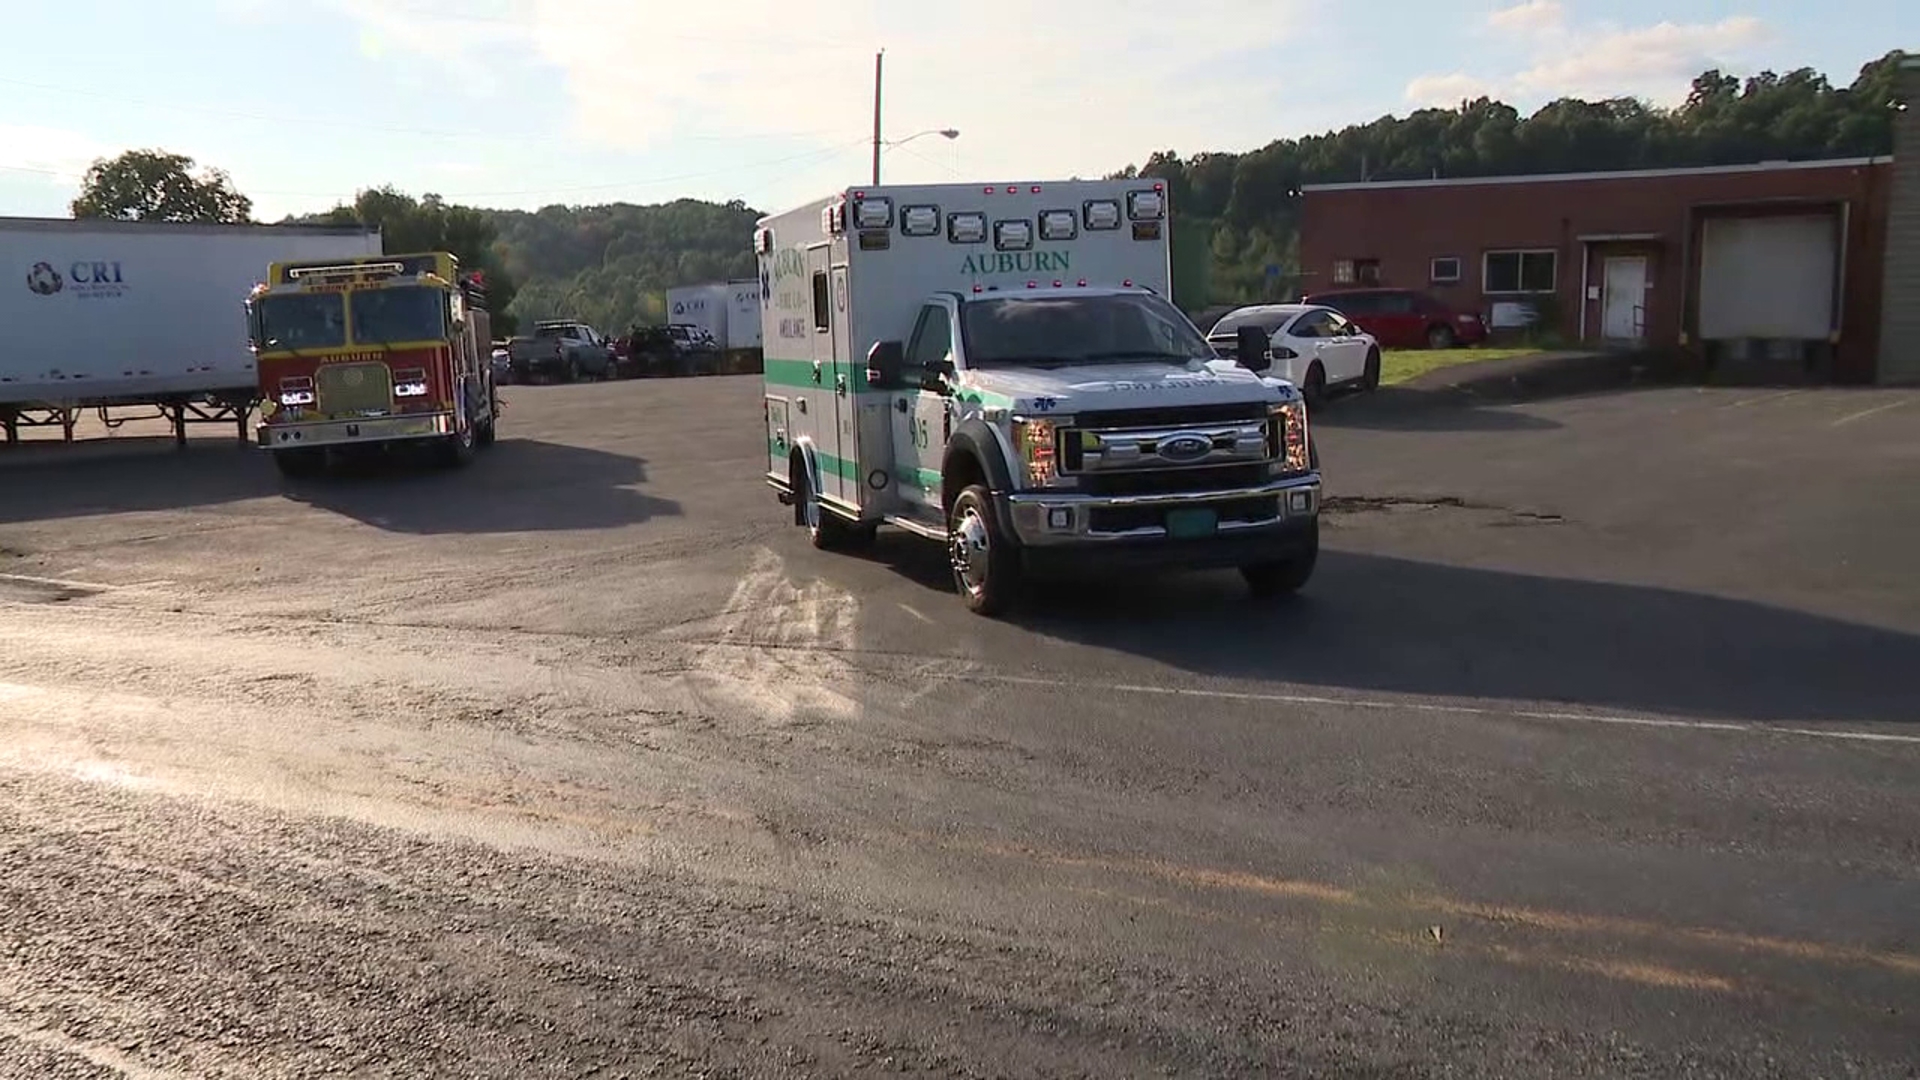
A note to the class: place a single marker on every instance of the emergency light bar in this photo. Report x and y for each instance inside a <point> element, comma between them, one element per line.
<point>1102,214</point>
<point>920,220</point>
<point>1146,205</point>
<point>872,213</point>
<point>966,228</point>
<point>1058,225</point>
<point>297,272</point>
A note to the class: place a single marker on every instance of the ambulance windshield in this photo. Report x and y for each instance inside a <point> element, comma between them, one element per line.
<point>301,321</point>
<point>1063,331</point>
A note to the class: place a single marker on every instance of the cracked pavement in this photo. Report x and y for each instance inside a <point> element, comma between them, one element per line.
<point>1584,754</point>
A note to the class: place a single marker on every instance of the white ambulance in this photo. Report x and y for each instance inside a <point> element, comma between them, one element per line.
<point>997,367</point>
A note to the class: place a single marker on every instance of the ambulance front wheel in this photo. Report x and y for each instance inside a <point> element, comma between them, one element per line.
<point>986,565</point>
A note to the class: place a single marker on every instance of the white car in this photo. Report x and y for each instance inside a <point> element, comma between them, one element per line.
<point>1313,347</point>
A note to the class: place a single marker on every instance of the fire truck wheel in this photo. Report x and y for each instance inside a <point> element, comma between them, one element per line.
<point>457,449</point>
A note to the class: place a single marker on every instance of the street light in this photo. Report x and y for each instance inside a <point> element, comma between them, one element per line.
<point>946,133</point>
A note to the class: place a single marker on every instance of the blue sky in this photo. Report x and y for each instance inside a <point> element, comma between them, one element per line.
<point>531,102</point>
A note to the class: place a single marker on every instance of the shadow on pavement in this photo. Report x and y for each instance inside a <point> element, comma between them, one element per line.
<point>1372,623</point>
<point>515,485</point>
<point>1393,409</point>
<point>42,482</point>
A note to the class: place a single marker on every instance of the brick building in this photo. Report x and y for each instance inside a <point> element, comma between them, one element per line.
<point>1900,314</point>
<point>1778,263</point>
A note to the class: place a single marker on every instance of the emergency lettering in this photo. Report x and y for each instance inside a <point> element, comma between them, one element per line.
<point>1017,262</point>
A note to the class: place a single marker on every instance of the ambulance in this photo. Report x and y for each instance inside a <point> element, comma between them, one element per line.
<point>998,368</point>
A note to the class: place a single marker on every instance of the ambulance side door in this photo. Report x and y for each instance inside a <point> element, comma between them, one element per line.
<point>920,412</point>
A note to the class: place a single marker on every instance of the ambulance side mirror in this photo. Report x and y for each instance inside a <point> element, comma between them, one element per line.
<point>885,363</point>
<point>1251,347</point>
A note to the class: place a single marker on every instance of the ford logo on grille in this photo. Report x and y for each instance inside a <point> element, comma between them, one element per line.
<point>1186,446</point>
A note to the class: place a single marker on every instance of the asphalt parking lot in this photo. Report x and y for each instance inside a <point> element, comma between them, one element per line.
<point>1589,751</point>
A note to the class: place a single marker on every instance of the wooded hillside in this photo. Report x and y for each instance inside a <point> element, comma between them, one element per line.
<point>1235,214</point>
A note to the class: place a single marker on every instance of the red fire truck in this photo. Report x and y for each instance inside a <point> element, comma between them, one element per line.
<point>371,352</point>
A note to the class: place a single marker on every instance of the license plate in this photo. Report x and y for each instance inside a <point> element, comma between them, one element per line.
<point>1191,524</point>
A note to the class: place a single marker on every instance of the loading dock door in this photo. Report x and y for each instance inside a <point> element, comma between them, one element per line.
<point>1768,277</point>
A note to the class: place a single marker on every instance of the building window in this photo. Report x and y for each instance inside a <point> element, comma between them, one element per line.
<point>1444,270</point>
<point>1520,271</point>
<point>1343,272</point>
<point>1367,270</point>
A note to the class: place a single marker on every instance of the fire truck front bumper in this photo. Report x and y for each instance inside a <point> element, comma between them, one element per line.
<point>371,429</point>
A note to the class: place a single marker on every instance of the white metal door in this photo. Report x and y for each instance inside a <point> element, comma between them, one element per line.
<point>920,417</point>
<point>847,484</point>
<point>1768,277</point>
<point>1623,299</point>
<point>821,397</point>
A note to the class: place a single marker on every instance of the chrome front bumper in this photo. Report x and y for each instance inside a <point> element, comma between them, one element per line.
<point>1065,518</point>
<point>372,429</point>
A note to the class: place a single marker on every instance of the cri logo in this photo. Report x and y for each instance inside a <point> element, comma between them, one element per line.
<point>94,278</point>
<point>44,279</point>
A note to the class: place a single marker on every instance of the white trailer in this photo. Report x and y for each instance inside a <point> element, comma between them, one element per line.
<point>743,315</point>
<point>104,314</point>
<point>997,367</point>
<point>704,306</point>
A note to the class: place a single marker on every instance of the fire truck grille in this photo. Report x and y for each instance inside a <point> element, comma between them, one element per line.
<point>352,389</point>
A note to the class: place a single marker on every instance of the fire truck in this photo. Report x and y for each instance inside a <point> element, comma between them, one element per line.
<point>372,352</point>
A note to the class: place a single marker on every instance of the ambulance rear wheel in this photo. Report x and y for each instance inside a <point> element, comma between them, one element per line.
<point>986,566</point>
<point>827,530</point>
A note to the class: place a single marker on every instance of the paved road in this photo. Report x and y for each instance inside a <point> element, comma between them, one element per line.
<point>1590,752</point>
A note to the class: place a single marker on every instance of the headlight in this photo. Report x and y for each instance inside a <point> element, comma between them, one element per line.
<point>1034,441</point>
<point>1287,437</point>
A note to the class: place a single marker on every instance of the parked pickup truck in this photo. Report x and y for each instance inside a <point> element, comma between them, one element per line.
<point>560,349</point>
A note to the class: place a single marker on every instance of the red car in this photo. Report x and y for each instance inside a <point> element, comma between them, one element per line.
<point>1405,318</point>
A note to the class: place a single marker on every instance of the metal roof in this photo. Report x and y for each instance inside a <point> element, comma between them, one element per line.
<point>1621,174</point>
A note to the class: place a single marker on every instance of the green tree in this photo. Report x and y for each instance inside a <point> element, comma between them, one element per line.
<point>154,185</point>
<point>1249,204</point>
<point>430,223</point>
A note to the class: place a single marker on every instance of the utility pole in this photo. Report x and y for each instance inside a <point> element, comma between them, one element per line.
<point>877,58</point>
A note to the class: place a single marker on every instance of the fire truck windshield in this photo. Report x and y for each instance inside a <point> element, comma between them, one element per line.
<point>301,321</point>
<point>404,313</point>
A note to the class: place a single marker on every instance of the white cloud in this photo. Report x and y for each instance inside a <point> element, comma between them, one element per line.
<point>1532,17</point>
<point>59,155</point>
<point>1070,86</point>
<point>1446,91</point>
<point>1656,62</point>
<point>1597,60</point>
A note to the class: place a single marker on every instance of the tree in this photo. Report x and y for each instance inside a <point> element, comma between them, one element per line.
<point>430,223</point>
<point>154,185</point>
<point>1250,203</point>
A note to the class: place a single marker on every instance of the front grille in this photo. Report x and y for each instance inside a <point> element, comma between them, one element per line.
<point>1231,511</point>
<point>1171,481</point>
<point>354,389</point>
<point>1172,416</point>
